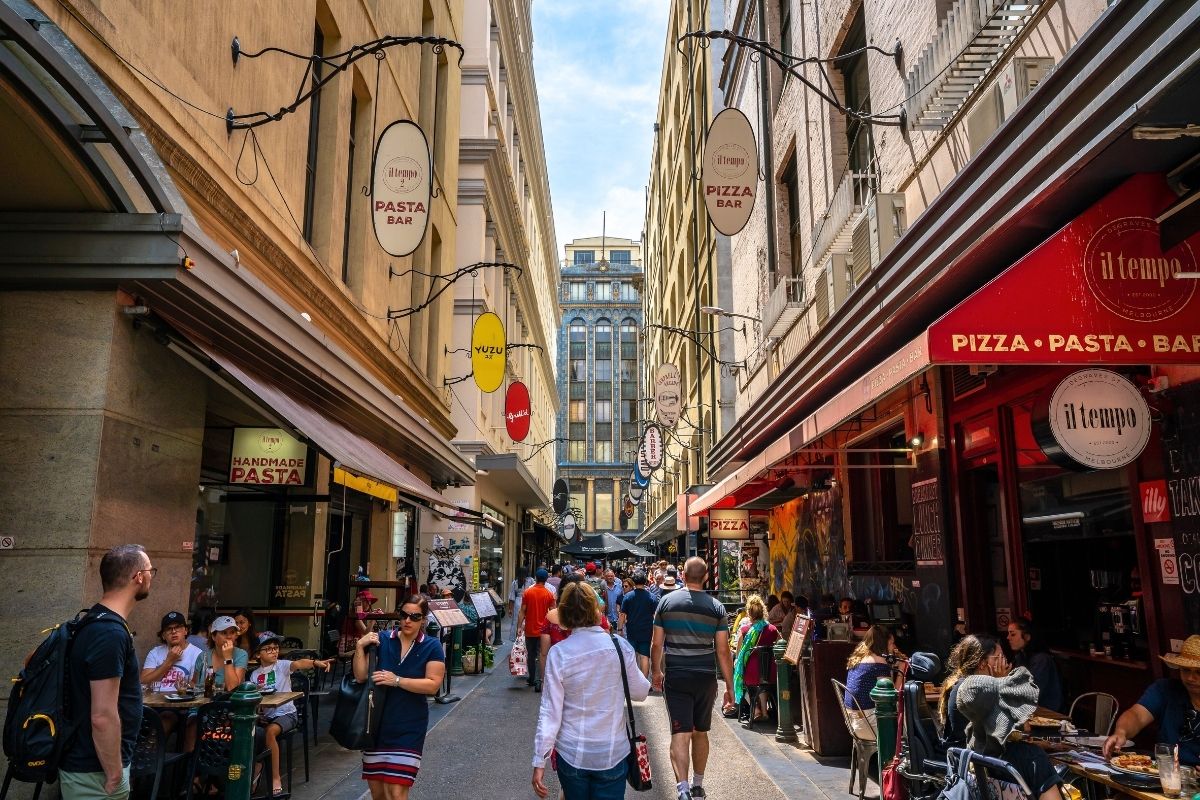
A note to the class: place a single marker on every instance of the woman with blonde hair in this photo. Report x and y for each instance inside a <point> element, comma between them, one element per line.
<point>582,715</point>
<point>975,654</point>
<point>866,664</point>
<point>754,632</point>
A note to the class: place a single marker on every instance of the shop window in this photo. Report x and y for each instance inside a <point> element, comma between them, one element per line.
<point>881,500</point>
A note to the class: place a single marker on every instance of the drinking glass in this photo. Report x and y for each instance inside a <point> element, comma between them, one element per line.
<point>1168,770</point>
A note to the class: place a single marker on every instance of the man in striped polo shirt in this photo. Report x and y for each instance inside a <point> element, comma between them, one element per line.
<point>690,632</point>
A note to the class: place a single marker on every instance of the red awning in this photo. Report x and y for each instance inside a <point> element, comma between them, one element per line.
<point>1099,291</point>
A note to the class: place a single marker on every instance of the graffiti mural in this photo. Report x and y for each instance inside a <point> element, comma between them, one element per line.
<point>808,545</point>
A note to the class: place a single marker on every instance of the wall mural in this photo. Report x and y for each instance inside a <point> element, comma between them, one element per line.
<point>808,546</point>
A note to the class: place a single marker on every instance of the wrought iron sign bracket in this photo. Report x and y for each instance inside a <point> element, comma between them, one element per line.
<point>459,379</point>
<point>448,281</point>
<point>537,448</point>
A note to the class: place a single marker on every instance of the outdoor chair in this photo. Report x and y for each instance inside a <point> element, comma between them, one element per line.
<point>319,685</point>
<point>766,664</point>
<point>214,745</point>
<point>1095,712</point>
<point>300,683</point>
<point>150,756</point>
<point>864,749</point>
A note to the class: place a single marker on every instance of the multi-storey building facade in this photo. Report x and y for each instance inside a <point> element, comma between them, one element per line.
<point>940,244</point>
<point>504,216</point>
<point>204,347</point>
<point>599,364</point>
<point>687,268</point>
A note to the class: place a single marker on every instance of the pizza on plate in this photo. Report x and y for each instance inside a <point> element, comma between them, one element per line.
<point>1135,762</point>
<point>1043,722</point>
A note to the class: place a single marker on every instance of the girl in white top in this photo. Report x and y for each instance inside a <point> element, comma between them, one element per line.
<point>582,716</point>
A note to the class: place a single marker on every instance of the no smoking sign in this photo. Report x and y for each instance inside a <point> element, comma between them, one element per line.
<point>1170,570</point>
<point>8,542</point>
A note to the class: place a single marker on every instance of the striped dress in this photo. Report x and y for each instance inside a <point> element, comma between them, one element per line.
<point>396,757</point>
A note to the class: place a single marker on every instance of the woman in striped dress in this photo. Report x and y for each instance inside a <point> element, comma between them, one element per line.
<point>411,668</point>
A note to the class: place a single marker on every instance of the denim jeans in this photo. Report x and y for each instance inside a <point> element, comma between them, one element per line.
<point>592,784</point>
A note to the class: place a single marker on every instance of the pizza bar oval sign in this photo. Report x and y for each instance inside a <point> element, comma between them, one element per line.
<point>401,187</point>
<point>730,176</point>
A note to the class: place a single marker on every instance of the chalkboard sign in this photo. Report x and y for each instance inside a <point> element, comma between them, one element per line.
<point>1181,454</point>
<point>483,604</point>
<point>447,613</point>
<point>928,540</point>
<point>795,645</point>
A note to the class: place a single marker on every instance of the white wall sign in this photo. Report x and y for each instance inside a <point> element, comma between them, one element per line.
<point>730,175</point>
<point>668,400</point>
<point>729,523</point>
<point>267,456</point>
<point>401,187</point>
<point>1098,419</point>
<point>650,452</point>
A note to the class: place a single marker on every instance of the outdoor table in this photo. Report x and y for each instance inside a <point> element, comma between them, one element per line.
<point>158,700</point>
<point>1107,780</point>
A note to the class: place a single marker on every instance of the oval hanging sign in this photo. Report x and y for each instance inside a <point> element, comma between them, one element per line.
<point>651,450</point>
<point>1096,418</point>
<point>488,352</point>
<point>638,477</point>
<point>516,411</point>
<point>730,175</point>
<point>667,400</point>
<point>627,510</point>
<point>636,492</point>
<point>569,530</point>
<point>401,187</point>
<point>560,495</point>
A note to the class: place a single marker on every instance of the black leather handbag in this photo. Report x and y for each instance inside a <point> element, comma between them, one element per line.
<point>356,712</point>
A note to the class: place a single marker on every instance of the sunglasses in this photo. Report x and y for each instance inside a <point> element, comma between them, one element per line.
<point>1190,730</point>
<point>415,616</point>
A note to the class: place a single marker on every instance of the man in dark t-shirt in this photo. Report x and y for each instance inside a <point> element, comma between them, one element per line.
<point>104,691</point>
<point>638,608</point>
<point>689,634</point>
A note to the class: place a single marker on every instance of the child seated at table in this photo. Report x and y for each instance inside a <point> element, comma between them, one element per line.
<point>275,675</point>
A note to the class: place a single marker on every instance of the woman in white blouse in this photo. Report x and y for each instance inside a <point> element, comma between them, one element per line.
<point>582,717</point>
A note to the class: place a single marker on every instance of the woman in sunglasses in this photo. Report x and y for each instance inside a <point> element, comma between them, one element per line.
<point>410,669</point>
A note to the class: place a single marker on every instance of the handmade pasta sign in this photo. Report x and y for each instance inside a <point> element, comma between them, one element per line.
<point>488,352</point>
<point>401,188</point>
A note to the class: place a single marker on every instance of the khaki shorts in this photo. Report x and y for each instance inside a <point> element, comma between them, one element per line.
<point>90,786</point>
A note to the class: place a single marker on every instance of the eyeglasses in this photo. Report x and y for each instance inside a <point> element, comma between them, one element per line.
<point>152,570</point>
<point>415,616</point>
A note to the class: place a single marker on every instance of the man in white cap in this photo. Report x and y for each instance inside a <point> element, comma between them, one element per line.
<point>1174,703</point>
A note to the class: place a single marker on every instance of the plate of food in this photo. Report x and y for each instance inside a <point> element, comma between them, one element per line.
<point>176,697</point>
<point>1043,722</point>
<point>1134,764</point>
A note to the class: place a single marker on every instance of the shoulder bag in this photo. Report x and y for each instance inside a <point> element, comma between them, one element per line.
<point>892,785</point>
<point>638,760</point>
<point>355,720</point>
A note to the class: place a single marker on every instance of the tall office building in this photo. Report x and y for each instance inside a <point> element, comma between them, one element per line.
<point>599,358</point>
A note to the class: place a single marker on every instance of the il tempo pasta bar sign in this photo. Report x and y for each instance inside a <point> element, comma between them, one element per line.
<point>268,457</point>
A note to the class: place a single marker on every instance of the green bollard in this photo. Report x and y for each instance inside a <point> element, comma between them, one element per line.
<point>456,651</point>
<point>786,731</point>
<point>885,695</point>
<point>245,700</point>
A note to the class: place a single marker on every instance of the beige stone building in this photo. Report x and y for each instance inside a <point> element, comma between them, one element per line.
<point>204,349</point>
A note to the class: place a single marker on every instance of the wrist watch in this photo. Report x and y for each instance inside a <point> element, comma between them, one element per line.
<point>228,661</point>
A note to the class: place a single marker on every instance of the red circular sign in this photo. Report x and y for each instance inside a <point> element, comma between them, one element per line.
<point>1132,277</point>
<point>516,411</point>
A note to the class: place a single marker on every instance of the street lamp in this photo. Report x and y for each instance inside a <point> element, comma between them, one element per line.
<point>717,311</point>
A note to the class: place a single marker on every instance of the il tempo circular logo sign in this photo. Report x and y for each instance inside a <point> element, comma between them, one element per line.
<point>1098,419</point>
<point>1132,277</point>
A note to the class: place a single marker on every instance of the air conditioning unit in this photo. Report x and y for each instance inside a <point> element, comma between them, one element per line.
<point>1019,77</point>
<point>876,232</point>
<point>840,266</point>
<point>983,119</point>
<point>983,369</point>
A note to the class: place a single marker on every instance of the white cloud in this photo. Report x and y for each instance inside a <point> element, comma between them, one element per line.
<point>598,70</point>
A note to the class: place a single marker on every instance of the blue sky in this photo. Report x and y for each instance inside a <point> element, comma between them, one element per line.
<point>598,64</point>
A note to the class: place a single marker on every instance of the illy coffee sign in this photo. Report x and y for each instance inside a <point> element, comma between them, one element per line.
<point>730,175</point>
<point>401,187</point>
<point>1096,419</point>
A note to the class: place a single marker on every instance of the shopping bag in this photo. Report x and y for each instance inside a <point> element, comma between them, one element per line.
<point>518,664</point>
<point>356,714</point>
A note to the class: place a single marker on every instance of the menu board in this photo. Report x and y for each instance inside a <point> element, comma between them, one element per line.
<point>447,613</point>
<point>1181,455</point>
<point>927,524</point>
<point>483,604</point>
<point>795,645</point>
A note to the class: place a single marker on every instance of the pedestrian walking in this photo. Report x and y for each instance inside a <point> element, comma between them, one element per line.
<point>612,595</point>
<point>537,602</point>
<point>410,670</point>
<point>689,630</point>
<point>516,593</point>
<point>637,608</point>
<point>104,683</point>
<point>582,715</point>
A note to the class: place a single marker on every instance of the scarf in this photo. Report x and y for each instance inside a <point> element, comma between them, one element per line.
<point>749,642</point>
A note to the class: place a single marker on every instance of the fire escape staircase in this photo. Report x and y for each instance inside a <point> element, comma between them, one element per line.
<point>970,41</point>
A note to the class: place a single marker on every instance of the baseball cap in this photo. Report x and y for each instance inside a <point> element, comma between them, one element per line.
<point>591,566</point>
<point>172,618</point>
<point>268,636</point>
<point>222,623</point>
<point>541,575</point>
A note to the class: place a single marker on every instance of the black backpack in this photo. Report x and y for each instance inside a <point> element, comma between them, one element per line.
<point>38,724</point>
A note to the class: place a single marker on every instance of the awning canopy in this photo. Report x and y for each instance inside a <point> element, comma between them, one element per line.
<point>1099,291</point>
<point>351,451</point>
<point>508,473</point>
<point>605,544</point>
<point>661,529</point>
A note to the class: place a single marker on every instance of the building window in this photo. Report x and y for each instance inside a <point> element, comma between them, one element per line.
<point>314,129</point>
<point>578,369</point>
<point>577,291</point>
<point>604,510</point>
<point>629,293</point>
<point>349,188</point>
<point>857,90</point>
<point>629,450</point>
<point>628,371</point>
<point>791,188</point>
<point>577,450</point>
<point>604,340</point>
<point>620,256</point>
<point>603,372</point>
<point>629,408</point>
<point>604,409</point>
<point>785,27</point>
<point>604,451</point>
<point>604,291</point>
<point>578,412</point>
<point>585,256</point>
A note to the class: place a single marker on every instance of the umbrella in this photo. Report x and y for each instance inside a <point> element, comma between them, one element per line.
<point>605,544</point>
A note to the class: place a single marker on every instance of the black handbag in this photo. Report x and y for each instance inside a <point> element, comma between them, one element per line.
<point>637,763</point>
<point>356,715</point>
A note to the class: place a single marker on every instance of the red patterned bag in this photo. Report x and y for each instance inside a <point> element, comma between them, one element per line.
<point>638,760</point>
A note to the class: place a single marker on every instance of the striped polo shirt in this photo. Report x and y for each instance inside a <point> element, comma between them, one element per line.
<point>690,621</point>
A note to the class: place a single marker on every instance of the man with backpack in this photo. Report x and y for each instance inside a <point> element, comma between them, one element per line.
<point>103,690</point>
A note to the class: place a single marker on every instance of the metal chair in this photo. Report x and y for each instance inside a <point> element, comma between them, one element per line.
<point>1097,712</point>
<point>864,749</point>
<point>150,754</point>
<point>292,642</point>
<point>214,744</point>
<point>300,683</point>
<point>993,773</point>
